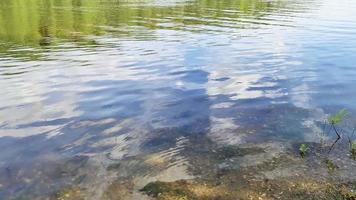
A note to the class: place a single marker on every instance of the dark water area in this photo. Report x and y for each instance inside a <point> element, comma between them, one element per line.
<point>102,97</point>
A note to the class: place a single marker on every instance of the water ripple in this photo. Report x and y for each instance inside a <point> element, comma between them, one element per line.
<point>138,82</point>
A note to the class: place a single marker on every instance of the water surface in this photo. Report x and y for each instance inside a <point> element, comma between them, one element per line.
<point>101,91</point>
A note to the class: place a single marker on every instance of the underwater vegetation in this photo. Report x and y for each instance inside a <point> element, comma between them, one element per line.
<point>353,149</point>
<point>338,117</point>
<point>332,167</point>
<point>333,124</point>
<point>352,144</point>
<point>303,150</point>
<point>333,121</point>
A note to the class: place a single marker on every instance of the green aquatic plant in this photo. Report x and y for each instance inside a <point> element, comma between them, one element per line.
<point>303,148</point>
<point>332,167</point>
<point>334,120</point>
<point>352,144</point>
<point>337,117</point>
<point>353,149</point>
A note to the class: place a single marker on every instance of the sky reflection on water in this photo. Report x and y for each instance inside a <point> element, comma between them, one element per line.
<point>87,84</point>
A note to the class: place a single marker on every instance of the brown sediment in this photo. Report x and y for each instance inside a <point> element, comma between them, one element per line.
<point>262,181</point>
<point>252,171</point>
<point>184,189</point>
<point>118,191</point>
<point>266,189</point>
<point>70,193</point>
<point>222,177</point>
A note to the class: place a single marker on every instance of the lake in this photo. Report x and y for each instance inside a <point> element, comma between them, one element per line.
<point>177,99</point>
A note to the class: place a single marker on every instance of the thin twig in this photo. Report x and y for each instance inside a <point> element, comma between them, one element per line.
<point>337,133</point>
<point>338,138</point>
<point>332,146</point>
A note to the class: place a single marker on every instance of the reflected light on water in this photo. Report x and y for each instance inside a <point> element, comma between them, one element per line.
<point>130,92</point>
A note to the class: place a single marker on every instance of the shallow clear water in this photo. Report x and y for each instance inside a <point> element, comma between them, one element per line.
<point>87,84</point>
